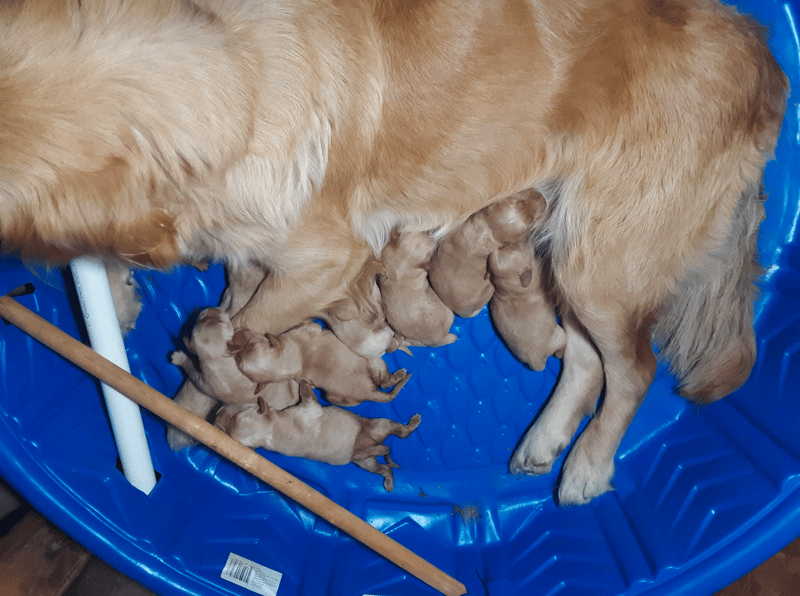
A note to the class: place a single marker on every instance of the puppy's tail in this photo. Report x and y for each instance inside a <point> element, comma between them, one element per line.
<point>706,330</point>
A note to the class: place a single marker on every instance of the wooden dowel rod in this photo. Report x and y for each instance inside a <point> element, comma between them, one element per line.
<point>193,425</point>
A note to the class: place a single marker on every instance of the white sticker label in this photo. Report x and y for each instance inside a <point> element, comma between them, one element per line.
<point>250,575</point>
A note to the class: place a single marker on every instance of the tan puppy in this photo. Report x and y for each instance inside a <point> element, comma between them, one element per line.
<point>328,434</point>
<point>218,378</point>
<point>412,308</point>
<point>218,374</point>
<point>358,319</point>
<point>521,310</point>
<point>297,135</point>
<point>458,271</point>
<point>312,353</point>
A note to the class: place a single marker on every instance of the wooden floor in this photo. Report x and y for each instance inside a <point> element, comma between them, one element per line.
<point>37,559</point>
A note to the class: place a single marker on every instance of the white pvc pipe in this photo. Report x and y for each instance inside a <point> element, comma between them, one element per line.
<point>102,325</point>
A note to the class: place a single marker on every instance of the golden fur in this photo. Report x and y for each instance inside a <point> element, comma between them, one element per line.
<point>458,270</point>
<point>412,308</point>
<point>521,309</point>
<point>297,134</point>
<point>323,433</point>
<point>310,353</point>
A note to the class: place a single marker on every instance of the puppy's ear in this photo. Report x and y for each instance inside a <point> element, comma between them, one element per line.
<point>532,207</point>
<point>237,342</point>
<point>306,391</point>
<point>525,278</point>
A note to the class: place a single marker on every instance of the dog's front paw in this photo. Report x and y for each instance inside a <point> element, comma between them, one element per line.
<point>585,476</point>
<point>537,452</point>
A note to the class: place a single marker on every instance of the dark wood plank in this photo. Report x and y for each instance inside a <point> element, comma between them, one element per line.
<point>37,559</point>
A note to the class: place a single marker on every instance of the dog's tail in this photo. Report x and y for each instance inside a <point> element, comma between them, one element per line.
<point>706,330</point>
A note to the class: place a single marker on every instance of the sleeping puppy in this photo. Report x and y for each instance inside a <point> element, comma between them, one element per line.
<point>412,308</point>
<point>218,378</point>
<point>328,434</point>
<point>358,319</point>
<point>297,135</point>
<point>312,353</point>
<point>218,375</point>
<point>521,310</point>
<point>458,271</point>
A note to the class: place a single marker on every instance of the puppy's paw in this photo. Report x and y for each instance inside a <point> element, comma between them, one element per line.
<point>537,452</point>
<point>179,440</point>
<point>178,358</point>
<point>585,477</point>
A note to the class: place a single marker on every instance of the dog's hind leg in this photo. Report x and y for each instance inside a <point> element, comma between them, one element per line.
<point>574,398</point>
<point>629,364</point>
<point>371,464</point>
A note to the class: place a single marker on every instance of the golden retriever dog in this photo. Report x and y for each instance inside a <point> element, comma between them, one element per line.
<point>458,270</point>
<point>521,310</point>
<point>314,354</point>
<point>323,433</point>
<point>411,306</point>
<point>297,134</point>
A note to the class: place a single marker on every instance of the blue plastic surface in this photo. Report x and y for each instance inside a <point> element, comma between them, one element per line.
<point>702,496</point>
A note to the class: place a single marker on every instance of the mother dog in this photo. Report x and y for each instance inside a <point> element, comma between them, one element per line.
<point>291,136</point>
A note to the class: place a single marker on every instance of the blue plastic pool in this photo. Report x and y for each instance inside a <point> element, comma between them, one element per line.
<point>702,496</point>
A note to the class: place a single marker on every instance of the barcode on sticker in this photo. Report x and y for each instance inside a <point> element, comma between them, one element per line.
<point>248,574</point>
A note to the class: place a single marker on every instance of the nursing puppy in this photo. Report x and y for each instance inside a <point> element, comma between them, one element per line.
<point>218,375</point>
<point>297,135</point>
<point>521,310</point>
<point>412,308</point>
<point>218,378</point>
<point>458,271</point>
<point>328,434</point>
<point>358,319</point>
<point>314,354</point>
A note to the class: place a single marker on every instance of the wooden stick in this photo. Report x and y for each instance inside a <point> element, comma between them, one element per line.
<point>193,425</point>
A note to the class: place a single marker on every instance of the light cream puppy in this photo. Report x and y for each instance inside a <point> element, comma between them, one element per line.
<point>520,308</point>
<point>312,353</point>
<point>458,267</point>
<point>328,434</point>
<point>411,306</point>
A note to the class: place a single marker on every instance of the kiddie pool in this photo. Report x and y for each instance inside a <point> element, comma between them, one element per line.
<point>702,495</point>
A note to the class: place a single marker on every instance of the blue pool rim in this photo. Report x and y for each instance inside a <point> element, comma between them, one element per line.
<point>702,495</point>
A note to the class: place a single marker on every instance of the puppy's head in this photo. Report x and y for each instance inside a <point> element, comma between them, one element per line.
<point>212,334</point>
<point>512,269</point>
<point>514,216</point>
<point>247,423</point>
<point>358,320</point>
<point>254,352</point>
<point>407,250</point>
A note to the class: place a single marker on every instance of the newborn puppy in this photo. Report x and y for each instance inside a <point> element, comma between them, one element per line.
<point>458,267</point>
<point>358,319</point>
<point>315,354</point>
<point>411,306</point>
<point>218,375</point>
<point>521,310</point>
<point>328,434</point>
